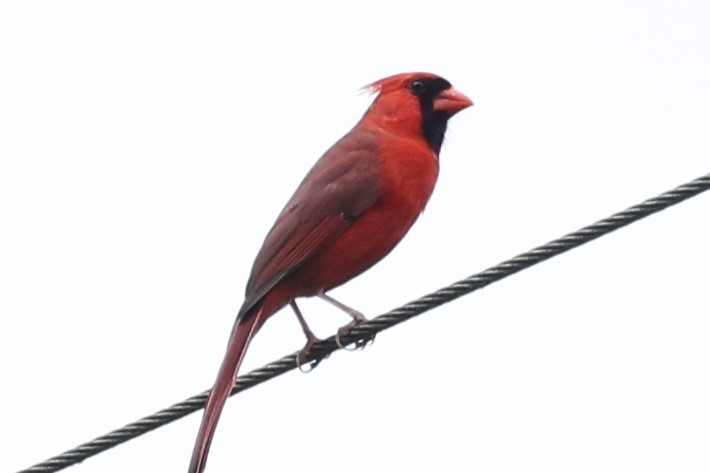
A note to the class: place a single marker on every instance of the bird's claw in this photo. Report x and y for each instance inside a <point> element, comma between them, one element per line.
<point>346,329</point>
<point>303,353</point>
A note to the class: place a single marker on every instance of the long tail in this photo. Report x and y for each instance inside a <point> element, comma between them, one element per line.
<point>242,333</point>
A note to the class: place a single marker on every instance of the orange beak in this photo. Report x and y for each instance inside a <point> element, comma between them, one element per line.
<point>451,101</point>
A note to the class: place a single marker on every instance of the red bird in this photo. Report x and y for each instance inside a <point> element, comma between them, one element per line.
<point>350,211</point>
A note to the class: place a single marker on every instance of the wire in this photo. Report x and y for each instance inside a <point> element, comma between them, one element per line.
<point>368,329</point>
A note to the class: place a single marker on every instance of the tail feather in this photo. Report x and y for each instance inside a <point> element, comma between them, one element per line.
<point>242,333</point>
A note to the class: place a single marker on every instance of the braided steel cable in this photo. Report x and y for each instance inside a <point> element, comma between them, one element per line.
<point>368,329</point>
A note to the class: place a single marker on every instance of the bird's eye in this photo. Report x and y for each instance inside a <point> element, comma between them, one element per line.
<point>417,87</point>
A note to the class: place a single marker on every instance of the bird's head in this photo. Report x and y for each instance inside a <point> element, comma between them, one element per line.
<point>417,102</point>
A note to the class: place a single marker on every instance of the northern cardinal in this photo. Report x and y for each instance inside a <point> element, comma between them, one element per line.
<point>350,211</point>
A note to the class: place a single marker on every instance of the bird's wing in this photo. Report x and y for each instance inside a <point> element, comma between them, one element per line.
<point>341,186</point>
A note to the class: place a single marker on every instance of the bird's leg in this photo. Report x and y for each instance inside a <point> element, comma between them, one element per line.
<point>311,339</point>
<point>358,318</point>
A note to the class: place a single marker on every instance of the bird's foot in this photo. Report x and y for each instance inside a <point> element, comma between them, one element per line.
<point>303,353</point>
<point>343,331</point>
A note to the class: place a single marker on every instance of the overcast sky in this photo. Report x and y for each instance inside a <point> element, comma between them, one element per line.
<point>146,148</point>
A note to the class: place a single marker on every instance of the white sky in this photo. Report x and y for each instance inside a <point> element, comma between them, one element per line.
<point>147,146</point>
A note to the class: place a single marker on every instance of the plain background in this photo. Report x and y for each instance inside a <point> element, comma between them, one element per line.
<point>147,146</point>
